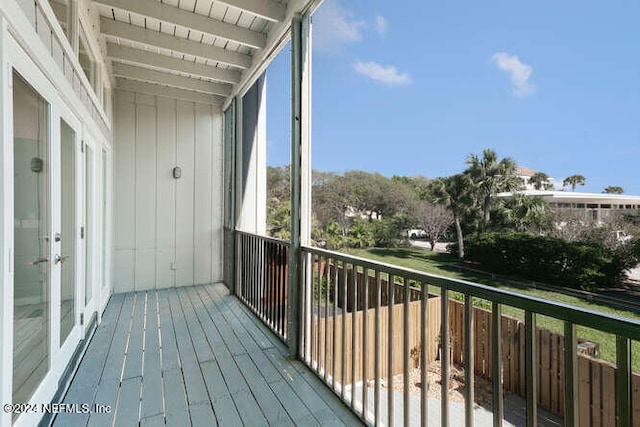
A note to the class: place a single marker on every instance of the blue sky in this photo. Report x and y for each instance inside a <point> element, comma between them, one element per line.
<point>414,87</point>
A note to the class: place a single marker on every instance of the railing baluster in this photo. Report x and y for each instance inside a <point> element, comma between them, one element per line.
<point>405,343</point>
<point>336,291</point>
<point>469,367</point>
<point>424,354</point>
<point>623,380</point>
<point>365,342</point>
<point>570,375</point>
<point>444,356</point>
<point>344,329</point>
<point>314,288</point>
<point>531,368</point>
<point>496,347</point>
<point>354,312</point>
<point>318,321</point>
<point>284,287</point>
<point>376,391</point>
<point>278,295</point>
<point>272,283</point>
<point>254,268</point>
<point>390,306</point>
<point>327,260</point>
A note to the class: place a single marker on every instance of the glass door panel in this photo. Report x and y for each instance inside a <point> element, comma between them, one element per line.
<point>103,216</point>
<point>32,279</point>
<point>68,231</point>
<point>88,225</point>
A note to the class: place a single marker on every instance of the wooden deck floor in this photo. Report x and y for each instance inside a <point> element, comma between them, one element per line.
<point>193,356</point>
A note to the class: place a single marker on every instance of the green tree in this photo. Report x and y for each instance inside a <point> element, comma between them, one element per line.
<point>456,193</point>
<point>524,213</point>
<point>613,189</point>
<point>491,176</point>
<point>574,180</point>
<point>540,181</point>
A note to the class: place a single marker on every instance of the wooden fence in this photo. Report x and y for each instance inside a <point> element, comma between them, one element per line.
<point>323,352</point>
<point>596,378</point>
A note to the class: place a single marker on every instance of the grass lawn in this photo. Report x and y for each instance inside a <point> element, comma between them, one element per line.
<point>436,263</point>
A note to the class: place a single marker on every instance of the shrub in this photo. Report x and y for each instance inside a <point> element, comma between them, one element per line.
<point>584,265</point>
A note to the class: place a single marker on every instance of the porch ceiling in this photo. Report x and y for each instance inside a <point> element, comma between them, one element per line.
<point>204,50</point>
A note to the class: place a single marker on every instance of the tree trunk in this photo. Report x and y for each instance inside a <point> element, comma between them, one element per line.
<point>433,244</point>
<point>460,239</point>
<point>487,213</point>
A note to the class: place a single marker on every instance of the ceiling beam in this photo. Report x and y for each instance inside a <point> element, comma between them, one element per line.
<point>186,19</point>
<point>137,34</point>
<point>266,9</point>
<point>157,60</point>
<point>153,76</point>
<point>168,92</point>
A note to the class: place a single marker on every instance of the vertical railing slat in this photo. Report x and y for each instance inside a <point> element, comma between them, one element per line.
<point>444,356</point>
<point>468,360</point>
<point>377,373</point>
<point>405,344</point>
<point>365,342</point>
<point>424,354</point>
<point>570,375</point>
<point>326,317</point>
<point>354,311</point>
<point>623,380</point>
<point>531,367</point>
<point>344,329</point>
<point>335,323</point>
<point>390,306</point>
<point>496,347</point>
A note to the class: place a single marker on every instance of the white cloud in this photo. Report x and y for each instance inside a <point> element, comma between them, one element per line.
<point>388,74</point>
<point>518,72</point>
<point>334,25</point>
<point>381,25</point>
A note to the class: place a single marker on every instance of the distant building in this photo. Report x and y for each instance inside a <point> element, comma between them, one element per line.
<point>526,173</point>
<point>592,206</point>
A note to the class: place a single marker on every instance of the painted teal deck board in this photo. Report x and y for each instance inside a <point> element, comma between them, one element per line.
<point>194,356</point>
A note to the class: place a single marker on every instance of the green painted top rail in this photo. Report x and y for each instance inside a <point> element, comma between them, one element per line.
<point>265,238</point>
<point>601,321</point>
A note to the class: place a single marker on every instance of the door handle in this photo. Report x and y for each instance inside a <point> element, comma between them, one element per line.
<point>39,260</point>
<point>60,259</point>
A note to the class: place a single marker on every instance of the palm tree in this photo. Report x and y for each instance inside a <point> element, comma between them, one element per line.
<point>613,189</point>
<point>524,213</point>
<point>454,192</point>
<point>574,180</point>
<point>491,176</point>
<point>540,181</point>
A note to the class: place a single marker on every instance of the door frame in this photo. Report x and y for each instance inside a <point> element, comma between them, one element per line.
<point>15,58</point>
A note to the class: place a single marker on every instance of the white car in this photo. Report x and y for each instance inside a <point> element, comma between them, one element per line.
<point>416,233</point>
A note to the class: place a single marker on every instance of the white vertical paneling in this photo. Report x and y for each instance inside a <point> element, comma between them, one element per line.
<point>185,193</point>
<point>168,231</point>
<point>145,192</point>
<point>217,188</point>
<point>124,195</point>
<point>202,221</point>
<point>166,193</point>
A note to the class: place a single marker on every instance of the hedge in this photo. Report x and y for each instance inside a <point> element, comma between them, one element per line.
<point>550,260</point>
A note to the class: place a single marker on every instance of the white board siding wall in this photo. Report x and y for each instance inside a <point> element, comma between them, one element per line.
<point>168,232</point>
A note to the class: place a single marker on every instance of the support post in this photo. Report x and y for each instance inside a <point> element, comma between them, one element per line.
<point>298,299</point>
<point>230,196</point>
